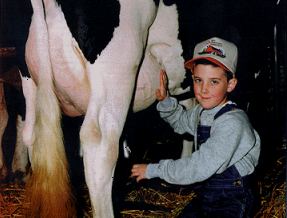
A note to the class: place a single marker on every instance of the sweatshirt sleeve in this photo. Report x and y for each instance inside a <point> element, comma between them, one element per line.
<point>180,120</point>
<point>230,141</point>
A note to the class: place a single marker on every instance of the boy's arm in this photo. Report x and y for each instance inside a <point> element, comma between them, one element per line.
<point>170,110</point>
<point>180,120</point>
<point>232,141</point>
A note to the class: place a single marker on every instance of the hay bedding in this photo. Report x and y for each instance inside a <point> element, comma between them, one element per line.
<point>165,205</point>
<point>274,206</point>
<point>272,191</point>
<point>12,201</point>
<point>159,203</point>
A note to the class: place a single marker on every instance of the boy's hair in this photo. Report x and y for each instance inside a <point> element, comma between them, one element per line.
<point>228,74</point>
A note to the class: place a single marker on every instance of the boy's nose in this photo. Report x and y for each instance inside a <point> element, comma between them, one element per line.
<point>204,88</point>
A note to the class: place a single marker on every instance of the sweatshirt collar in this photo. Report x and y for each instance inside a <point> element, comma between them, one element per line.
<point>215,109</point>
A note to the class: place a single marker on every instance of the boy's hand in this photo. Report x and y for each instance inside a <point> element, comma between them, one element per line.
<point>162,92</point>
<point>138,171</point>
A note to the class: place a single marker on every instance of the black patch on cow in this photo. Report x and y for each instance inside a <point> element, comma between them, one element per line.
<point>169,2</point>
<point>156,2</point>
<point>92,23</point>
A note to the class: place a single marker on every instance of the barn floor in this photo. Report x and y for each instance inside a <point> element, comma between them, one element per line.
<point>157,199</point>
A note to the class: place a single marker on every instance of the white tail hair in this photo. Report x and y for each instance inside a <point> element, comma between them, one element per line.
<point>48,189</point>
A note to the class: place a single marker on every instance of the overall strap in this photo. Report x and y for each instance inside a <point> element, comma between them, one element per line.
<point>224,109</point>
<point>203,132</point>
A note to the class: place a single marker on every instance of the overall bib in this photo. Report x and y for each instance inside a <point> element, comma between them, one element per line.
<point>225,195</point>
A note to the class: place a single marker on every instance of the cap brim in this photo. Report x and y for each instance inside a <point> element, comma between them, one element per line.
<point>190,64</point>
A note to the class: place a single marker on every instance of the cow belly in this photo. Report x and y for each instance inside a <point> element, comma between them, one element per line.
<point>73,103</point>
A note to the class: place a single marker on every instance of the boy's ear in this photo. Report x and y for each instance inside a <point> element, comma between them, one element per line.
<point>231,84</point>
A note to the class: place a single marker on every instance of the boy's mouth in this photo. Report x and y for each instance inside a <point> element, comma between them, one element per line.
<point>204,97</point>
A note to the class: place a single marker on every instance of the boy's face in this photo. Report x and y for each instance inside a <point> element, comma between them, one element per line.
<point>211,85</point>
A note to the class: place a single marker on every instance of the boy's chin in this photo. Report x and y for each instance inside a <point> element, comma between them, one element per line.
<point>207,106</point>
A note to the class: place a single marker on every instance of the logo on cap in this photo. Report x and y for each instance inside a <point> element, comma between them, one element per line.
<point>212,50</point>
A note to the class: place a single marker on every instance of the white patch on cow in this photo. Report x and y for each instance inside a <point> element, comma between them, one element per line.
<point>29,91</point>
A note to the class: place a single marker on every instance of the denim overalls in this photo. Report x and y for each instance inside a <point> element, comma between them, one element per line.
<point>224,195</point>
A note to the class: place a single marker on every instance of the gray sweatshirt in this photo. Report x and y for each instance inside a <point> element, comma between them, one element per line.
<point>232,141</point>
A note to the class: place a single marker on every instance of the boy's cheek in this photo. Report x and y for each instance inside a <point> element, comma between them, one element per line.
<point>196,89</point>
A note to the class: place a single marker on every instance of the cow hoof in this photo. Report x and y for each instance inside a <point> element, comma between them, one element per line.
<point>20,177</point>
<point>3,173</point>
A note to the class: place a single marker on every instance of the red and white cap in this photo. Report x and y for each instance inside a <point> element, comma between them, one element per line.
<point>219,51</point>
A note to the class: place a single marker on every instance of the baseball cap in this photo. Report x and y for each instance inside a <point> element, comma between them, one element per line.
<point>219,51</point>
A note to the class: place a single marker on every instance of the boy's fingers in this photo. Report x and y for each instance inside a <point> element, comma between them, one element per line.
<point>161,79</point>
<point>158,95</point>
<point>161,93</point>
<point>138,179</point>
<point>162,74</point>
<point>164,79</point>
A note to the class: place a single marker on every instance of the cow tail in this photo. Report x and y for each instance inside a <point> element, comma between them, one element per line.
<point>49,187</point>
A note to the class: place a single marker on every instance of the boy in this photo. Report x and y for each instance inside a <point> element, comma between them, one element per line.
<point>227,148</point>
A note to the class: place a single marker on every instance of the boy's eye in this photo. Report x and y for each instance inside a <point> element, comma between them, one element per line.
<point>196,80</point>
<point>214,82</point>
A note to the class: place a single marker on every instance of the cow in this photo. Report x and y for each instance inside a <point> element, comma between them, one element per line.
<point>11,112</point>
<point>98,59</point>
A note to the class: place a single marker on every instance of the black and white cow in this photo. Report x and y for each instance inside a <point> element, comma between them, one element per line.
<point>12,115</point>
<point>98,59</point>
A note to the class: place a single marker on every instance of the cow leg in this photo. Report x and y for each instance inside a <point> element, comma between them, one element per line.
<point>29,91</point>
<point>100,133</point>
<point>112,80</point>
<point>100,151</point>
<point>20,159</point>
<point>99,164</point>
<point>24,131</point>
<point>3,124</point>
